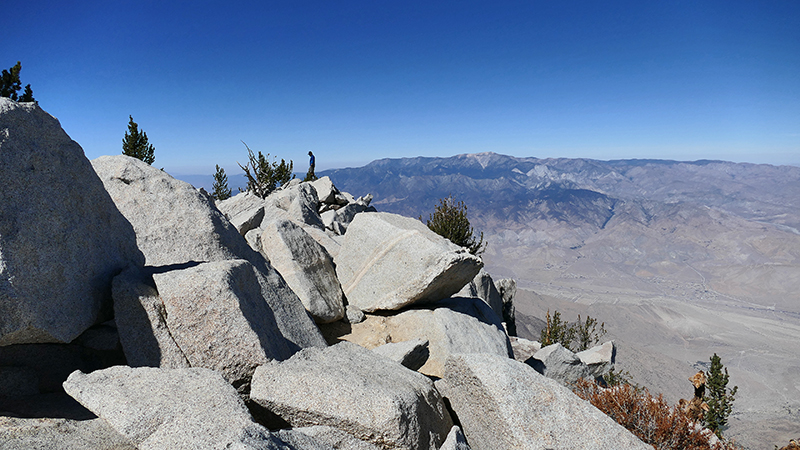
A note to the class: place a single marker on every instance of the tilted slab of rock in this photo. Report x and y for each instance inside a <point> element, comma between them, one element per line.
<point>389,261</point>
<point>307,268</point>
<point>456,325</point>
<point>504,404</point>
<point>142,322</point>
<point>358,391</point>
<point>336,438</point>
<point>300,201</point>
<point>218,317</point>
<point>326,191</point>
<point>62,239</point>
<point>600,359</point>
<point>559,363</point>
<point>170,409</point>
<point>524,349</point>
<point>455,440</point>
<point>483,288</point>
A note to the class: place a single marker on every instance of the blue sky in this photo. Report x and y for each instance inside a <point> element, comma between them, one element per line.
<point>356,81</point>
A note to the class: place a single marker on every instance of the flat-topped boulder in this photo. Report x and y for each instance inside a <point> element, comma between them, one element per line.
<point>389,261</point>
<point>62,239</point>
<point>355,390</point>
<point>170,409</point>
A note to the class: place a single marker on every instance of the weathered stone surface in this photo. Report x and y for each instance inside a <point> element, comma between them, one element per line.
<point>142,322</point>
<point>508,289</point>
<point>243,203</point>
<point>307,268</point>
<point>300,202</point>
<point>61,237</point>
<point>524,349</point>
<point>218,317</point>
<point>600,359</point>
<point>354,389</point>
<point>483,288</point>
<point>505,404</point>
<point>248,220</point>
<point>455,440</point>
<point>336,438</point>
<point>60,434</point>
<point>326,191</point>
<point>389,261</point>
<point>174,222</point>
<point>456,325</point>
<point>559,363</point>
<point>354,315</point>
<point>170,408</point>
<point>411,354</point>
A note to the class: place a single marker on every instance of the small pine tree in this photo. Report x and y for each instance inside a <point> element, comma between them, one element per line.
<point>221,189</point>
<point>449,219</point>
<point>27,96</point>
<point>9,82</point>
<point>718,397</point>
<point>135,144</point>
<point>556,331</point>
<point>264,176</point>
<point>577,337</point>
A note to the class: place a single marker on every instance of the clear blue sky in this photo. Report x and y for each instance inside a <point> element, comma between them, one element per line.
<point>361,80</point>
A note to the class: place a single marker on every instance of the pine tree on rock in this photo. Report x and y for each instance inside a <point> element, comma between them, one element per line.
<point>10,84</point>
<point>718,397</point>
<point>135,144</point>
<point>221,189</point>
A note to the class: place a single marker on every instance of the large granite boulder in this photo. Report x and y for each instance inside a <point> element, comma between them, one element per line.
<point>411,354</point>
<point>483,288</point>
<point>455,325</point>
<point>170,409</point>
<point>174,222</point>
<point>559,363</point>
<point>60,434</point>
<point>307,268</point>
<point>524,349</point>
<point>336,438</point>
<point>504,404</point>
<point>389,261</point>
<point>508,289</point>
<point>62,239</point>
<point>358,391</point>
<point>218,317</point>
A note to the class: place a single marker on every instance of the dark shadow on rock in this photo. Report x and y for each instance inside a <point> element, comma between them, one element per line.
<point>332,332</point>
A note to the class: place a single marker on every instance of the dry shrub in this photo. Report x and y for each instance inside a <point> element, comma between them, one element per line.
<point>650,418</point>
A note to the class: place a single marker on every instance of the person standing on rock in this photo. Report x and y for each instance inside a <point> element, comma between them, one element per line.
<point>311,164</point>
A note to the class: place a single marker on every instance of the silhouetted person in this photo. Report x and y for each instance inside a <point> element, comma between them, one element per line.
<point>311,164</point>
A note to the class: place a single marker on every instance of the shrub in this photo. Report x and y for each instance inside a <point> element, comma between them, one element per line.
<point>10,84</point>
<point>650,418</point>
<point>221,191</point>
<point>718,397</point>
<point>449,219</point>
<point>135,144</point>
<point>263,175</point>
<point>577,336</point>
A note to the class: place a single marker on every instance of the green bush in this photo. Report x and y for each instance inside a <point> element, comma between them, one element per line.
<point>135,144</point>
<point>263,175</point>
<point>577,336</point>
<point>221,191</point>
<point>449,219</point>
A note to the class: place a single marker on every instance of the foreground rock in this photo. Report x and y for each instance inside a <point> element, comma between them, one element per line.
<point>505,404</point>
<point>411,354</point>
<point>170,409</point>
<point>455,325</point>
<point>559,363</point>
<point>60,434</point>
<point>61,237</point>
<point>355,390</point>
<point>307,268</point>
<point>389,261</point>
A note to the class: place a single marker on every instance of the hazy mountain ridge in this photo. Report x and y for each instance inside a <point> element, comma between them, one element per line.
<point>706,252</point>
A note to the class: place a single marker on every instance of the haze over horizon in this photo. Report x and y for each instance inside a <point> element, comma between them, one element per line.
<point>357,81</point>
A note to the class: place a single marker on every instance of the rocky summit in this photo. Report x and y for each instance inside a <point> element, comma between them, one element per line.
<point>137,312</point>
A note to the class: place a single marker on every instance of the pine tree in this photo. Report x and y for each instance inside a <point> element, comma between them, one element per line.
<point>27,96</point>
<point>263,175</point>
<point>718,397</point>
<point>221,189</point>
<point>449,219</point>
<point>9,82</point>
<point>135,144</point>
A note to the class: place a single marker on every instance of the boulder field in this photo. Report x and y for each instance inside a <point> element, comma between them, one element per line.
<point>138,312</point>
